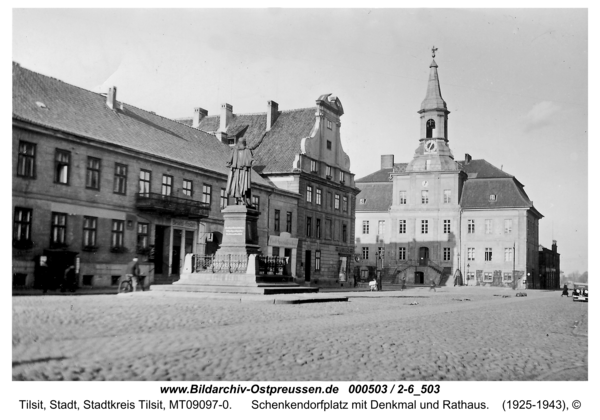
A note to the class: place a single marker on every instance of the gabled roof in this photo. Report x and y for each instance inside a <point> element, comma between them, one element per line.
<point>375,197</point>
<point>84,113</point>
<point>509,193</point>
<point>280,145</point>
<point>382,175</point>
<point>481,168</point>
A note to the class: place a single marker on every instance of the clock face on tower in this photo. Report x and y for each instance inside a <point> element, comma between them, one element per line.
<point>431,146</point>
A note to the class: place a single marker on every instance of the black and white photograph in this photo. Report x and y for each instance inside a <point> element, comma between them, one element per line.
<point>264,204</point>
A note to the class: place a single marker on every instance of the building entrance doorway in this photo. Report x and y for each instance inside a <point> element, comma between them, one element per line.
<point>159,246</point>
<point>423,255</point>
<point>307,267</point>
<point>419,277</point>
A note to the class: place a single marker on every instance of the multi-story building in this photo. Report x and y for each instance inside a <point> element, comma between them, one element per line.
<point>300,151</point>
<point>97,181</point>
<point>549,269</point>
<point>435,218</point>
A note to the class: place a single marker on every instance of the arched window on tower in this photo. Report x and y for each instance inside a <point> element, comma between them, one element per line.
<point>430,126</point>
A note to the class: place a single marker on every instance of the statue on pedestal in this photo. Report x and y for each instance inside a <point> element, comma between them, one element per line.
<point>240,170</point>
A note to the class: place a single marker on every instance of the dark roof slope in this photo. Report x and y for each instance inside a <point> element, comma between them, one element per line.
<point>378,197</point>
<point>476,194</point>
<point>481,168</point>
<point>382,175</point>
<point>280,145</point>
<point>84,113</point>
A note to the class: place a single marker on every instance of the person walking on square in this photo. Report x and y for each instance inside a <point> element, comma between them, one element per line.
<point>133,273</point>
<point>432,287</point>
<point>565,291</point>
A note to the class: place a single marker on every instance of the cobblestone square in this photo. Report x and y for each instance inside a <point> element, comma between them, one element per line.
<point>462,333</point>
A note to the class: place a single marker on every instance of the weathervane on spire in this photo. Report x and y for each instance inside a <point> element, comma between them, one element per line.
<point>433,50</point>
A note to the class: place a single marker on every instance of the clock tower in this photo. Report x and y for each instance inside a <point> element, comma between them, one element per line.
<point>433,153</point>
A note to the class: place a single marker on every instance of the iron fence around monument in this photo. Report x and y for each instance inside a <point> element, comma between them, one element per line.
<point>238,263</point>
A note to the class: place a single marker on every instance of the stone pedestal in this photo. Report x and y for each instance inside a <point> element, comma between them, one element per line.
<point>240,231</point>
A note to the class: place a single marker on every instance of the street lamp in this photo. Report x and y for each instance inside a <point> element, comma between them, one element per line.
<point>468,266</point>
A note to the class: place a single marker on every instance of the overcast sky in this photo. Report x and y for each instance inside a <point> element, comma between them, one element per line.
<point>515,81</point>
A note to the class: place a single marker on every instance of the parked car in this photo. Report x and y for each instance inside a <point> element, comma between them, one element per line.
<point>580,293</point>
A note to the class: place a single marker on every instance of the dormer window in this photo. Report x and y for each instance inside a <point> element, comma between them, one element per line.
<point>313,166</point>
<point>362,201</point>
<point>328,171</point>
<point>430,127</point>
<point>493,197</point>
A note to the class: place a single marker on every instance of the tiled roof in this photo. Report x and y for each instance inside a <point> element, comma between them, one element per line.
<point>378,197</point>
<point>280,145</point>
<point>382,175</point>
<point>476,194</point>
<point>481,168</point>
<point>84,113</point>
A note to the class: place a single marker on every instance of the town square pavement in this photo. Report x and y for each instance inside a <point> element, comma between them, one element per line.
<point>456,333</point>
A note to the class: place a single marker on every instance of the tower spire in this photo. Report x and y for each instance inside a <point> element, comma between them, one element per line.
<point>433,98</point>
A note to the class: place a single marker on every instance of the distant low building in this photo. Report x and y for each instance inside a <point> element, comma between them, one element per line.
<point>549,260</point>
<point>441,220</point>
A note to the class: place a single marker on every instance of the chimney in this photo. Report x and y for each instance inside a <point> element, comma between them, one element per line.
<point>111,97</point>
<point>387,161</point>
<point>226,115</point>
<point>272,113</point>
<point>554,246</point>
<point>199,114</point>
<point>468,158</point>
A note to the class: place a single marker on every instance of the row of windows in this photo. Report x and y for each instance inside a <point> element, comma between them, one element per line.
<point>26,168</point>
<point>402,197</point>
<point>447,226</point>
<point>446,253</point>
<point>328,169</point>
<point>333,200</point>
<point>277,221</point>
<point>58,229</point>
<point>488,254</point>
<point>330,233</point>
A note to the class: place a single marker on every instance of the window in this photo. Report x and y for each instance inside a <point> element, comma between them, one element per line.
<point>424,226</point>
<point>61,166</point>
<point>145,182</point>
<point>507,225</point>
<point>446,225</point>
<point>364,274</point>
<point>471,254</point>
<point>276,222</point>
<point>328,229</point>
<point>345,204</point>
<point>87,280</point>
<point>508,254</point>
<point>121,179</point>
<point>313,166</point>
<point>365,227</point>
<point>318,229</point>
<point>401,226</point>
<point>275,252</point>
<point>330,199</point>
<point>142,235</point>
<point>26,160</point>
<point>380,227</point>
<point>288,222</point>
<point>507,277</point>
<point>362,201</point>
<point>365,253</point>
<point>488,254</point>
<point>344,233</point>
<point>402,195</point>
<point>336,202</point>
<point>342,177</point>
<point>22,224</point>
<point>92,176</point>
<point>488,226</point>
<point>329,125</point>
<point>470,276</point>
<point>308,227</point>
<point>90,228</point>
<point>256,202</point>
<point>167,185</point>
<point>58,229</point>
<point>318,196</point>
<point>424,197</point>
<point>223,199</point>
<point>492,197</point>
<point>317,260</point>
<point>117,233</point>
<point>188,188</point>
<point>207,194</point>
<point>446,254</point>
<point>402,253</point>
<point>328,145</point>
<point>430,129</point>
<point>470,226</point>
<point>309,193</point>
<point>328,171</point>
<point>380,252</point>
<point>487,277</point>
<point>447,196</point>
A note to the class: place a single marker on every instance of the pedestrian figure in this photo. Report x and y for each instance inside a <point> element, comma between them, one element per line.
<point>565,291</point>
<point>432,287</point>
<point>133,273</point>
<point>403,283</point>
<point>68,279</point>
<point>44,274</point>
